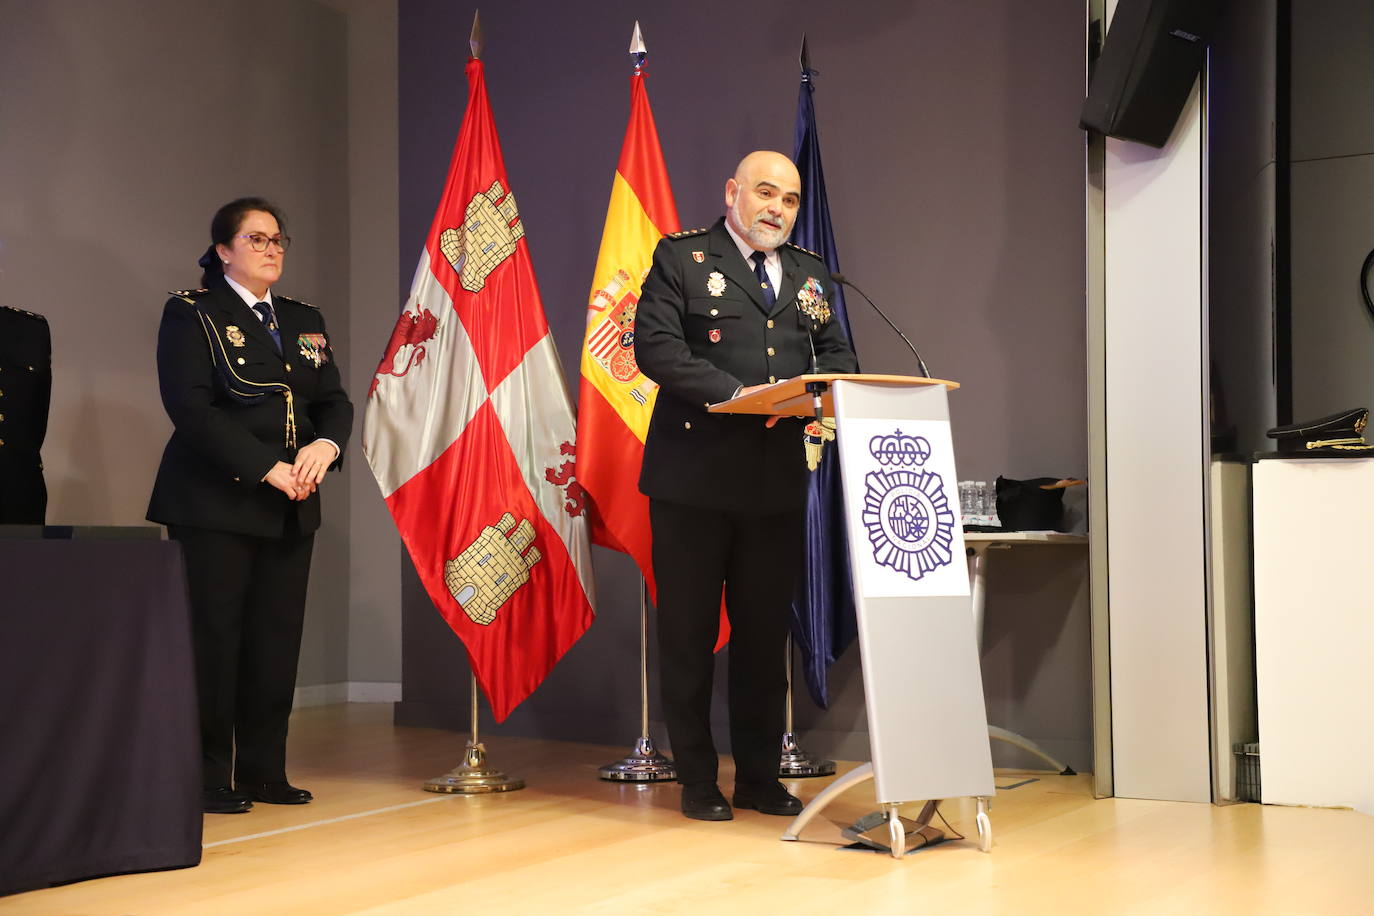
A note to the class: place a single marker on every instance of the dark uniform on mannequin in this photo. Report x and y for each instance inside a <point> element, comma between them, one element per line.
<point>727,493</point>
<point>25,390</point>
<point>249,381</point>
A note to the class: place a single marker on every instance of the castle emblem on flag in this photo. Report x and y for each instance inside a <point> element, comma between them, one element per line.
<point>491,228</point>
<point>908,518</point>
<point>482,577</point>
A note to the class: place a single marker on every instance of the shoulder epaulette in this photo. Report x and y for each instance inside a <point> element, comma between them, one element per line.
<point>806,250</point>
<point>187,294</point>
<point>687,233</point>
<point>296,301</point>
<point>24,312</point>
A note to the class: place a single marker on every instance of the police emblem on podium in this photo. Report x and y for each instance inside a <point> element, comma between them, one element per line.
<point>908,518</point>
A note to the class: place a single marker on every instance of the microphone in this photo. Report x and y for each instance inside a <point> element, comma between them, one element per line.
<point>840,278</point>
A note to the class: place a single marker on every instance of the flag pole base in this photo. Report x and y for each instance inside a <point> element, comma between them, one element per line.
<point>795,763</point>
<point>473,776</point>
<point>644,764</point>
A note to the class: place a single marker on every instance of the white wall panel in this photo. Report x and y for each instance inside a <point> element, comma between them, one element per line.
<point>1155,387</point>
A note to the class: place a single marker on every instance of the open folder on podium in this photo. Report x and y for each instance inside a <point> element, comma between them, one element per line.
<point>923,687</point>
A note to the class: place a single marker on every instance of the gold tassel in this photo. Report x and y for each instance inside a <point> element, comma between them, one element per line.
<point>290,419</point>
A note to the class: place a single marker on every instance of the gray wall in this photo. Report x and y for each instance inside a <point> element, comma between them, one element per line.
<point>1332,178</point>
<point>374,568</point>
<point>955,174</point>
<point>124,126</point>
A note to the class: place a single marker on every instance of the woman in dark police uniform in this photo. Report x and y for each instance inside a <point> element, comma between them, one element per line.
<point>250,383</point>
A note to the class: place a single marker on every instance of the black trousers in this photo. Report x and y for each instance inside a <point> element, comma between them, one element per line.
<point>247,610</point>
<point>755,558</point>
<point>23,494</point>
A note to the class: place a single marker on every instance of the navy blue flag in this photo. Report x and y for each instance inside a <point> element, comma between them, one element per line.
<point>823,607</point>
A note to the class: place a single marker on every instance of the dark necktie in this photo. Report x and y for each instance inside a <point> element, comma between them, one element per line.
<point>269,321</point>
<point>770,298</point>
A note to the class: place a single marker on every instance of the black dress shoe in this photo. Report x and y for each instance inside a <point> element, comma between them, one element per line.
<point>702,801</point>
<point>767,798</point>
<point>224,800</point>
<point>276,793</point>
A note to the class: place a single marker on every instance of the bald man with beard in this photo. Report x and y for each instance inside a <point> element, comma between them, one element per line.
<point>725,310</point>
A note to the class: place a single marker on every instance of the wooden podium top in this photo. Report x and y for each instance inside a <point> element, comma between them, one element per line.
<point>789,398</point>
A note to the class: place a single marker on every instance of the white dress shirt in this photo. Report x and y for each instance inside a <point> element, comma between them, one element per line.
<point>772,264</point>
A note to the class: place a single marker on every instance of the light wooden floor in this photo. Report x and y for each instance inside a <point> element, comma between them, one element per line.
<point>374,843</point>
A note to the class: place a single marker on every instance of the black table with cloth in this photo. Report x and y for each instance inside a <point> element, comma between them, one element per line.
<point>99,744</point>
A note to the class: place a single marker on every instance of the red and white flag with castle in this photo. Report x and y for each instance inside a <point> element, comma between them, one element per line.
<point>469,432</point>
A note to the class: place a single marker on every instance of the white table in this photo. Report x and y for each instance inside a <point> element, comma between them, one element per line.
<point>978,543</point>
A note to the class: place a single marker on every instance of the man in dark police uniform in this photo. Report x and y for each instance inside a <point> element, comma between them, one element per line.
<point>723,311</point>
<point>25,389</point>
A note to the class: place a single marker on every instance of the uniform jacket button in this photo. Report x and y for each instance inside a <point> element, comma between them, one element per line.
<point>771,352</point>
<point>687,425</point>
<point>770,322</point>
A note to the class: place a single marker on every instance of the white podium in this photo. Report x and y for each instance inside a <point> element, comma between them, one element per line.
<point>911,593</point>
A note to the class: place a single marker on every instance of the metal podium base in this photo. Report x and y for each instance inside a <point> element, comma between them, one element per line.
<point>897,826</point>
<point>886,831</point>
<point>474,776</point>
<point>795,763</point>
<point>1010,737</point>
<point>644,764</point>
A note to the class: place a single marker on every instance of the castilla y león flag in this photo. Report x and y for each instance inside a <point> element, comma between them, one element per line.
<point>469,432</point>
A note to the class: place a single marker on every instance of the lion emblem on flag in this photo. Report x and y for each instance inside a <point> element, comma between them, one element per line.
<point>413,330</point>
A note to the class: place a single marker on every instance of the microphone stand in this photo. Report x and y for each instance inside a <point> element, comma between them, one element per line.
<point>841,279</point>
<point>815,389</point>
<point>793,762</point>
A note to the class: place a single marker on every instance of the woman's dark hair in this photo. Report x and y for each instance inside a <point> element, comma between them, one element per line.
<point>225,226</point>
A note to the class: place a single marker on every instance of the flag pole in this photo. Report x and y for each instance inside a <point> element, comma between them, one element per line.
<point>644,763</point>
<point>795,763</point>
<point>473,776</point>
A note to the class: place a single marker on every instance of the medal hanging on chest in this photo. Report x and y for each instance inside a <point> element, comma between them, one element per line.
<point>314,348</point>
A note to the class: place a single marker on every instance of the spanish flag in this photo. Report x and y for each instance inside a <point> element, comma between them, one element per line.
<point>615,399</point>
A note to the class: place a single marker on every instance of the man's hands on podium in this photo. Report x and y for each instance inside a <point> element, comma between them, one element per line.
<point>750,389</point>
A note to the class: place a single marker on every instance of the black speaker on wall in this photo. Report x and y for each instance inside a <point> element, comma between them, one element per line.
<point>1153,52</point>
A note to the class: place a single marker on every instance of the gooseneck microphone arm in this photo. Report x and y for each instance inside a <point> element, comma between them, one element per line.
<point>840,278</point>
<point>816,389</point>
